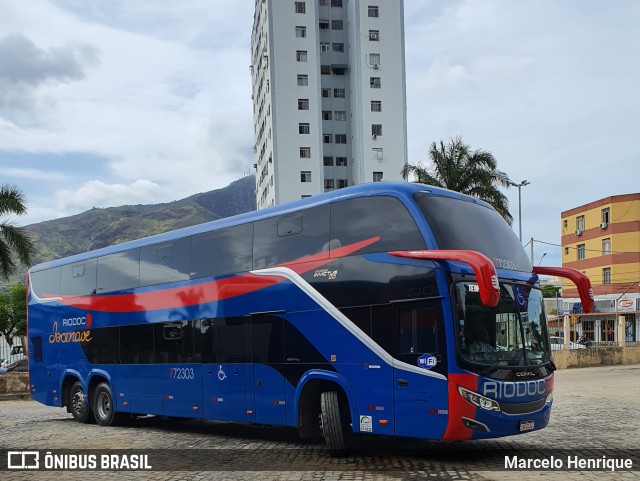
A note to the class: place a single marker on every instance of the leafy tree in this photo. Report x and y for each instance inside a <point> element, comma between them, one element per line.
<point>13,312</point>
<point>14,241</point>
<point>455,166</point>
<point>550,291</point>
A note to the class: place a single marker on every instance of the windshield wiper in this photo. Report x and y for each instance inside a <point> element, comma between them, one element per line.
<point>491,369</point>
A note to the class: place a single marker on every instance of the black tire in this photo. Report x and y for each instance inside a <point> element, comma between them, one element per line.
<point>332,423</point>
<point>103,405</point>
<point>79,405</point>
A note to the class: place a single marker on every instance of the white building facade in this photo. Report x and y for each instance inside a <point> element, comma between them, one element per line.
<point>329,96</point>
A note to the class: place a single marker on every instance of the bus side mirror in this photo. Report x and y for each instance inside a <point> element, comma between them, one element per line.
<point>580,279</point>
<point>482,266</point>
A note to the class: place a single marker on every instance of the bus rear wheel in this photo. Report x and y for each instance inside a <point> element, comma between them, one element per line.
<point>103,405</point>
<point>331,422</point>
<point>80,408</point>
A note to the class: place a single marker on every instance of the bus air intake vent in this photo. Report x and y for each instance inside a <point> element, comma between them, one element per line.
<point>36,346</point>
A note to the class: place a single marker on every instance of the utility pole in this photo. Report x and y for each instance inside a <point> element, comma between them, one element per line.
<point>519,186</point>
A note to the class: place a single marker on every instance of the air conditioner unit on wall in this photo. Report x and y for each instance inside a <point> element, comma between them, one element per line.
<point>375,66</point>
<point>578,232</point>
<point>604,225</point>
<point>373,36</point>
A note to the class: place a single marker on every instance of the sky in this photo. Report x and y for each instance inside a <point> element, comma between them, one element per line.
<point>114,102</point>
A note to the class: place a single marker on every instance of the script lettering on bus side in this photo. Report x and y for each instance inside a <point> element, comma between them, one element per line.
<point>72,336</point>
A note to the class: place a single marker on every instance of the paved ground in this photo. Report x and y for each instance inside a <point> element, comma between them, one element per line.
<point>596,413</point>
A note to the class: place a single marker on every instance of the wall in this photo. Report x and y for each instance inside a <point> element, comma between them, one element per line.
<point>605,356</point>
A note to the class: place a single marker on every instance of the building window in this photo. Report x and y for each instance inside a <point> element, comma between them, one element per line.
<point>305,196</point>
<point>341,115</point>
<point>566,251</point>
<point>336,3</point>
<point>305,176</point>
<point>342,183</point>
<point>606,275</point>
<point>606,247</point>
<point>336,24</point>
<point>373,11</point>
<point>338,47</point>
<point>326,114</point>
<point>606,216</point>
<point>328,183</point>
<point>374,35</point>
<point>303,104</point>
<point>341,138</point>
<point>341,161</point>
<point>580,223</point>
<point>305,152</point>
<point>566,223</point>
<point>324,25</point>
<point>376,106</point>
<point>327,160</point>
<point>324,47</point>
<point>301,8</point>
<point>374,82</point>
<point>325,69</point>
<point>376,153</point>
<point>581,251</point>
<point>339,93</point>
<point>324,3</point>
<point>303,80</point>
<point>376,129</point>
<point>303,128</point>
<point>374,59</point>
<point>327,138</point>
<point>301,55</point>
<point>326,93</point>
<point>377,176</point>
<point>301,32</point>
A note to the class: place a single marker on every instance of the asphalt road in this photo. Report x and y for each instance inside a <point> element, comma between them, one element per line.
<point>596,413</point>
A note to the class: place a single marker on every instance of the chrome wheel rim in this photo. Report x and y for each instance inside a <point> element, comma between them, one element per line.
<point>103,405</point>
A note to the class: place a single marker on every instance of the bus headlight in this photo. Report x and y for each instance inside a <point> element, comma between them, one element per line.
<point>478,400</point>
<point>549,398</point>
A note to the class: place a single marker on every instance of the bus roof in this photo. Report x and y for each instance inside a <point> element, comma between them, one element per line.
<point>398,189</point>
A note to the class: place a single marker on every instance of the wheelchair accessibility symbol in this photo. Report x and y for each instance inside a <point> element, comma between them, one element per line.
<point>221,374</point>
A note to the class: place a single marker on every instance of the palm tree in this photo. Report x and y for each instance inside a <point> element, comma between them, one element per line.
<point>456,167</point>
<point>14,240</point>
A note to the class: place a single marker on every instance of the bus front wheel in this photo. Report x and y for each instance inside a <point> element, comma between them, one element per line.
<point>331,422</point>
<point>103,405</point>
<point>80,409</point>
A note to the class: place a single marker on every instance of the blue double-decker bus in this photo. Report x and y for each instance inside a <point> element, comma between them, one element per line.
<point>386,309</point>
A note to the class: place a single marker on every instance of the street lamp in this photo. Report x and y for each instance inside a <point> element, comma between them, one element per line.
<point>519,186</point>
<point>542,257</point>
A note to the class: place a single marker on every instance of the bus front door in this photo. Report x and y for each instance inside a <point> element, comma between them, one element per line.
<point>223,369</point>
<point>421,396</point>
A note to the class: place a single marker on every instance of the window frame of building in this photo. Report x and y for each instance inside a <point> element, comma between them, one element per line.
<point>341,161</point>
<point>303,80</point>
<point>580,223</point>
<point>325,47</point>
<point>300,7</point>
<point>327,161</point>
<point>374,59</point>
<point>377,176</point>
<point>329,184</point>
<point>301,31</point>
<point>327,138</point>
<point>325,69</point>
<point>566,251</point>
<point>375,83</point>
<point>336,3</point>
<point>376,129</point>
<point>581,251</point>
<point>605,216</point>
<point>305,176</point>
<point>606,275</point>
<point>337,47</point>
<point>342,183</point>
<point>337,25</point>
<point>373,11</point>
<point>327,115</point>
<point>323,24</point>
<point>325,93</point>
<point>374,35</point>
<point>606,246</point>
<point>341,139</point>
<point>303,128</point>
<point>339,93</point>
<point>376,105</point>
<point>301,55</point>
<point>305,152</point>
<point>303,104</point>
<point>340,115</point>
<point>377,153</point>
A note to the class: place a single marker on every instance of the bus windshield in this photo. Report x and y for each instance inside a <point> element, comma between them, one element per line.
<point>509,335</point>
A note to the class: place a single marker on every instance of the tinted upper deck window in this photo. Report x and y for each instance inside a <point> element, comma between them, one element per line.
<point>224,251</point>
<point>291,237</point>
<point>46,283</point>
<point>165,262</point>
<point>364,218</point>
<point>461,224</point>
<point>119,271</point>
<point>79,279</point>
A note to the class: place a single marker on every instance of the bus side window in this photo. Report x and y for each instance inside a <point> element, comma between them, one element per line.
<point>46,283</point>
<point>79,279</point>
<point>165,262</point>
<point>119,271</point>
<point>365,218</point>
<point>136,344</point>
<point>291,237</point>
<point>173,342</point>
<point>268,338</point>
<point>222,252</point>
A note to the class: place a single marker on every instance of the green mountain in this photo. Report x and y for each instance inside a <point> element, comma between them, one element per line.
<point>98,228</point>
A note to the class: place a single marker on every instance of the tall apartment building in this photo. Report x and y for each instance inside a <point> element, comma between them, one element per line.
<point>602,239</point>
<point>329,96</point>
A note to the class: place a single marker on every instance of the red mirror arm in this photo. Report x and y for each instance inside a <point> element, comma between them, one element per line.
<point>580,279</point>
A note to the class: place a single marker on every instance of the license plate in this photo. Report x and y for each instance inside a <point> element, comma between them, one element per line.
<point>526,425</point>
